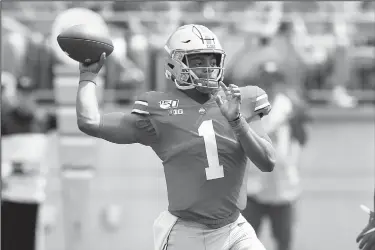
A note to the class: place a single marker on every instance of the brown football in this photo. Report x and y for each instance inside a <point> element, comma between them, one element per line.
<point>85,43</point>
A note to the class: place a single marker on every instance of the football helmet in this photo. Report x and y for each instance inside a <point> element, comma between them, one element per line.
<point>193,39</point>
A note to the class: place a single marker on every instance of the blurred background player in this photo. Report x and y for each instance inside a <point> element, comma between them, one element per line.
<point>366,238</point>
<point>274,195</point>
<point>204,175</point>
<point>286,41</point>
<point>26,139</point>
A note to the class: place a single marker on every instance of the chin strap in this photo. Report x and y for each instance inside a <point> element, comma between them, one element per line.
<point>183,87</point>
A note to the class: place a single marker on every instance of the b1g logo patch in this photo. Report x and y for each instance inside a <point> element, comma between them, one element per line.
<point>210,43</point>
<point>168,104</point>
<point>176,111</point>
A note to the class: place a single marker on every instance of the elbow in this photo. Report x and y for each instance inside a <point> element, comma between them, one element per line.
<point>270,162</point>
<point>88,127</point>
<point>268,165</point>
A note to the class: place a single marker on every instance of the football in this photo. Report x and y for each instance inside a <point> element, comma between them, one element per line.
<point>84,43</point>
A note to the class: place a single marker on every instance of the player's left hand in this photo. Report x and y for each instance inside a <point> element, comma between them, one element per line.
<point>230,106</point>
<point>366,238</point>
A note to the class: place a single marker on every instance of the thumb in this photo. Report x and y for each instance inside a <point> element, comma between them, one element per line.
<point>81,66</point>
<point>102,60</point>
<point>219,100</point>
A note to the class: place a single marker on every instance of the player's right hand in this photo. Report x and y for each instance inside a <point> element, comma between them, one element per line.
<point>230,105</point>
<point>366,238</point>
<point>93,67</point>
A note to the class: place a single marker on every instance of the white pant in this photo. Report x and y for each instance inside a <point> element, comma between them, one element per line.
<point>171,233</point>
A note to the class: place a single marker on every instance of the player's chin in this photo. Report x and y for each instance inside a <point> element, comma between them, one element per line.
<point>206,90</point>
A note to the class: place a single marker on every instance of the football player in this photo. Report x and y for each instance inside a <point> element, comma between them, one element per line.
<point>274,195</point>
<point>366,238</point>
<point>26,137</point>
<point>203,131</point>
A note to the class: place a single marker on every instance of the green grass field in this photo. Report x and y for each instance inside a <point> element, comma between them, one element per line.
<point>337,172</point>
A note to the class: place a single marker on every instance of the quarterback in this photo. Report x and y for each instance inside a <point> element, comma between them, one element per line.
<point>203,131</point>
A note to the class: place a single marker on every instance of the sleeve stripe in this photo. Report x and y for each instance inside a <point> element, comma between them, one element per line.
<point>141,103</point>
<point>261,97</point>
<point>142,112</point>
<point>262,106</point>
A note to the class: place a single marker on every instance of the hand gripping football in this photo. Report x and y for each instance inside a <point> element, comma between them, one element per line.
<point>85,43</point>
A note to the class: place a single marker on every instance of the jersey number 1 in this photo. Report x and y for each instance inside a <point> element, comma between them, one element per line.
<point>214,170</point>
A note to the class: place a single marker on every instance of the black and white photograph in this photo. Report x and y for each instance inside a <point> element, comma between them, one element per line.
<point>187,125</point>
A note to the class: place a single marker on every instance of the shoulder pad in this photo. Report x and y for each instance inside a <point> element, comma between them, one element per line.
<point>258,99</point>
<point>262,105</point>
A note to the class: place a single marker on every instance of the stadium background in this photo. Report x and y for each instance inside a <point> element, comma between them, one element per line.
<point>338,164</point>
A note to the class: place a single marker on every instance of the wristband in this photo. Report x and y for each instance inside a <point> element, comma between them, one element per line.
<point>88,76</point>
<point>237,118</point>
<point>239,125</point>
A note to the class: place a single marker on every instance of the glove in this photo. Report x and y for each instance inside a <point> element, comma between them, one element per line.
<point>88,72</point>
<point>366,238</point>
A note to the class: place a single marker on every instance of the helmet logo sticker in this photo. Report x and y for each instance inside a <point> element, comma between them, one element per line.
<point>178,56</point>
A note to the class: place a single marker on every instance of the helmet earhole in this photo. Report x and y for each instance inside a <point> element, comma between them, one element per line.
<point>184,61</point>
<point>218,59</point>
<point>170,65</point>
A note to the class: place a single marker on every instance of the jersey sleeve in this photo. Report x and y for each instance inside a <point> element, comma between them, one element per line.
<point>141,105</point>
<point>262,105</point>
<point>147,134</point>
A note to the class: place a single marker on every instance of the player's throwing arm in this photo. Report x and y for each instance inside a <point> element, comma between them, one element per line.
<point>116,127</point>
<point>90,47</point>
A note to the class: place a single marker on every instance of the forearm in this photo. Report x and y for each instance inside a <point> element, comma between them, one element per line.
<point>87,108</point>
<point>259,150</point>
